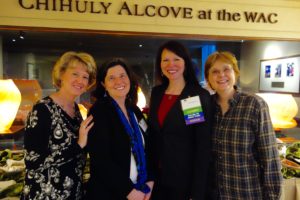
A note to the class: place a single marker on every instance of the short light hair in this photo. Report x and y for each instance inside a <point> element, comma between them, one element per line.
<point>70,59</point>
<point>224,56</point>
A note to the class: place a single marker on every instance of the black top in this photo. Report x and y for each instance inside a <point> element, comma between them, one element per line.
<point>110,153</point>
<point>181,153</point>
<point>54,161</point>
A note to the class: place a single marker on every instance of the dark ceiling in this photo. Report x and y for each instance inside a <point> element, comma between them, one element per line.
<point>103,44</point>
<point>139,51</point>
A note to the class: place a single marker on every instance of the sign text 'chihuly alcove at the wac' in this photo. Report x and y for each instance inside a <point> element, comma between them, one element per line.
<point>273,18</point>
<point>149,10</point>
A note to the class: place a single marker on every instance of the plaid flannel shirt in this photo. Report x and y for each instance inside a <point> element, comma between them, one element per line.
<point>246,158</point>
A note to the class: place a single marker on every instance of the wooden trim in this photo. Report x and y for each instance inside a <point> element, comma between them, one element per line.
<point>148,34</point>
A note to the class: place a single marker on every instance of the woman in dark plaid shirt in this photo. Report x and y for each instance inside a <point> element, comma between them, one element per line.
<point>246,160</point>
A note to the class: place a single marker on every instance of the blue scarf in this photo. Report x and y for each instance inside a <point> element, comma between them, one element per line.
<point>135,135</point>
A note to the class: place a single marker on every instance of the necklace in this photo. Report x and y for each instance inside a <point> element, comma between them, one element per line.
<point>171,96</point>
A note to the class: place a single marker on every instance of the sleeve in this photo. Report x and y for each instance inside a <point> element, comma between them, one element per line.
<point>151,148</point>
<point>102,164</point>
<point>203,150</point>
<point>36,136</point>
<point>268,154</point>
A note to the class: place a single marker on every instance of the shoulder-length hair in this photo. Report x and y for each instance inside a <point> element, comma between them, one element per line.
<point>71,59</point>
<point>224,56</point>
<point>100,91</point>
<point>181,51</point>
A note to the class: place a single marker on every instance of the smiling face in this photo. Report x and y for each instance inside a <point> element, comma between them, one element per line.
<point>75,79</point>
<point>117,82</point>
<point>172,66</point>
<point>221,77</point>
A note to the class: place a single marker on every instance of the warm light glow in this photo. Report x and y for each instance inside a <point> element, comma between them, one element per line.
<point>31,92</point>
<point>83,111</point>
<point>141,99</point>
<point>283,108</point>
<point>10,99</point>
<point>272,51</point>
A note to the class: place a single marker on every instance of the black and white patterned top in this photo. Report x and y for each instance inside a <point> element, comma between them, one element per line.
<point>54,161</point>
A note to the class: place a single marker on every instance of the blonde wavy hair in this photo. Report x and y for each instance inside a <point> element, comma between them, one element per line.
<point>70,59</point>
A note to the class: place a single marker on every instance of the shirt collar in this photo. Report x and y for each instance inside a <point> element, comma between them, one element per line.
<point>236,97</point>
<point>234,100</point>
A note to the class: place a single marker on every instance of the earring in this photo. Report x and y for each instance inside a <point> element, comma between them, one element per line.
<point>162,75</point>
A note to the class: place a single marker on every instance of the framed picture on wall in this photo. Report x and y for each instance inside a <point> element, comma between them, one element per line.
<point>280,75</point>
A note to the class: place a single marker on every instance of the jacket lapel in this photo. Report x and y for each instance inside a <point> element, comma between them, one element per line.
<point>156,103</point>
<point>176,109</point>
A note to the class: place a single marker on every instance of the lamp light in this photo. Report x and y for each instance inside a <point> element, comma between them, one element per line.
<point>283,108</point>
<point>141,99</point>
<point>83,111</point>
<point>31,92</point>
<point>10,99</point>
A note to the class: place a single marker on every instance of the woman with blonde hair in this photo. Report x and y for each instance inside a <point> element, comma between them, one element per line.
<point>55,133</point>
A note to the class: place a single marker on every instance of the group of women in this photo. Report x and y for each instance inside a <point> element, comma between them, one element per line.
<point>192,146</point>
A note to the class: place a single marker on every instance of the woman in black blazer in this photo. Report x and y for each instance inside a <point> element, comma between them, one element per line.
<point>180,144</point>
<point>117,140</point>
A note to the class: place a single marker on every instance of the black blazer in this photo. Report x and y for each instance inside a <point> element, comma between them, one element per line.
<point>110,150</point>
<point>181,153</point>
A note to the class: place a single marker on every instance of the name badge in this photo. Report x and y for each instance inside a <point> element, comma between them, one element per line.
<point>143,125</point>
<point>192,110</point>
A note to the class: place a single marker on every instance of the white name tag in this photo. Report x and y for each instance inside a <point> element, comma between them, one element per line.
<point>143,125</point>
<point>192,110</point>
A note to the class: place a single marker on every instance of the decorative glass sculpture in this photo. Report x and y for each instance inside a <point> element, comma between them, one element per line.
<point>283,108</point>
<point>10,99</point>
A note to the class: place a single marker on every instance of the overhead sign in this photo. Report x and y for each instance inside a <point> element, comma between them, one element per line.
<point>271,19</point>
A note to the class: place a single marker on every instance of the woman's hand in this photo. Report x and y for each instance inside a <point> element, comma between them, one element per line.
<point>136,195</point>
<point>84,129</point>
<point>148,195</point>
